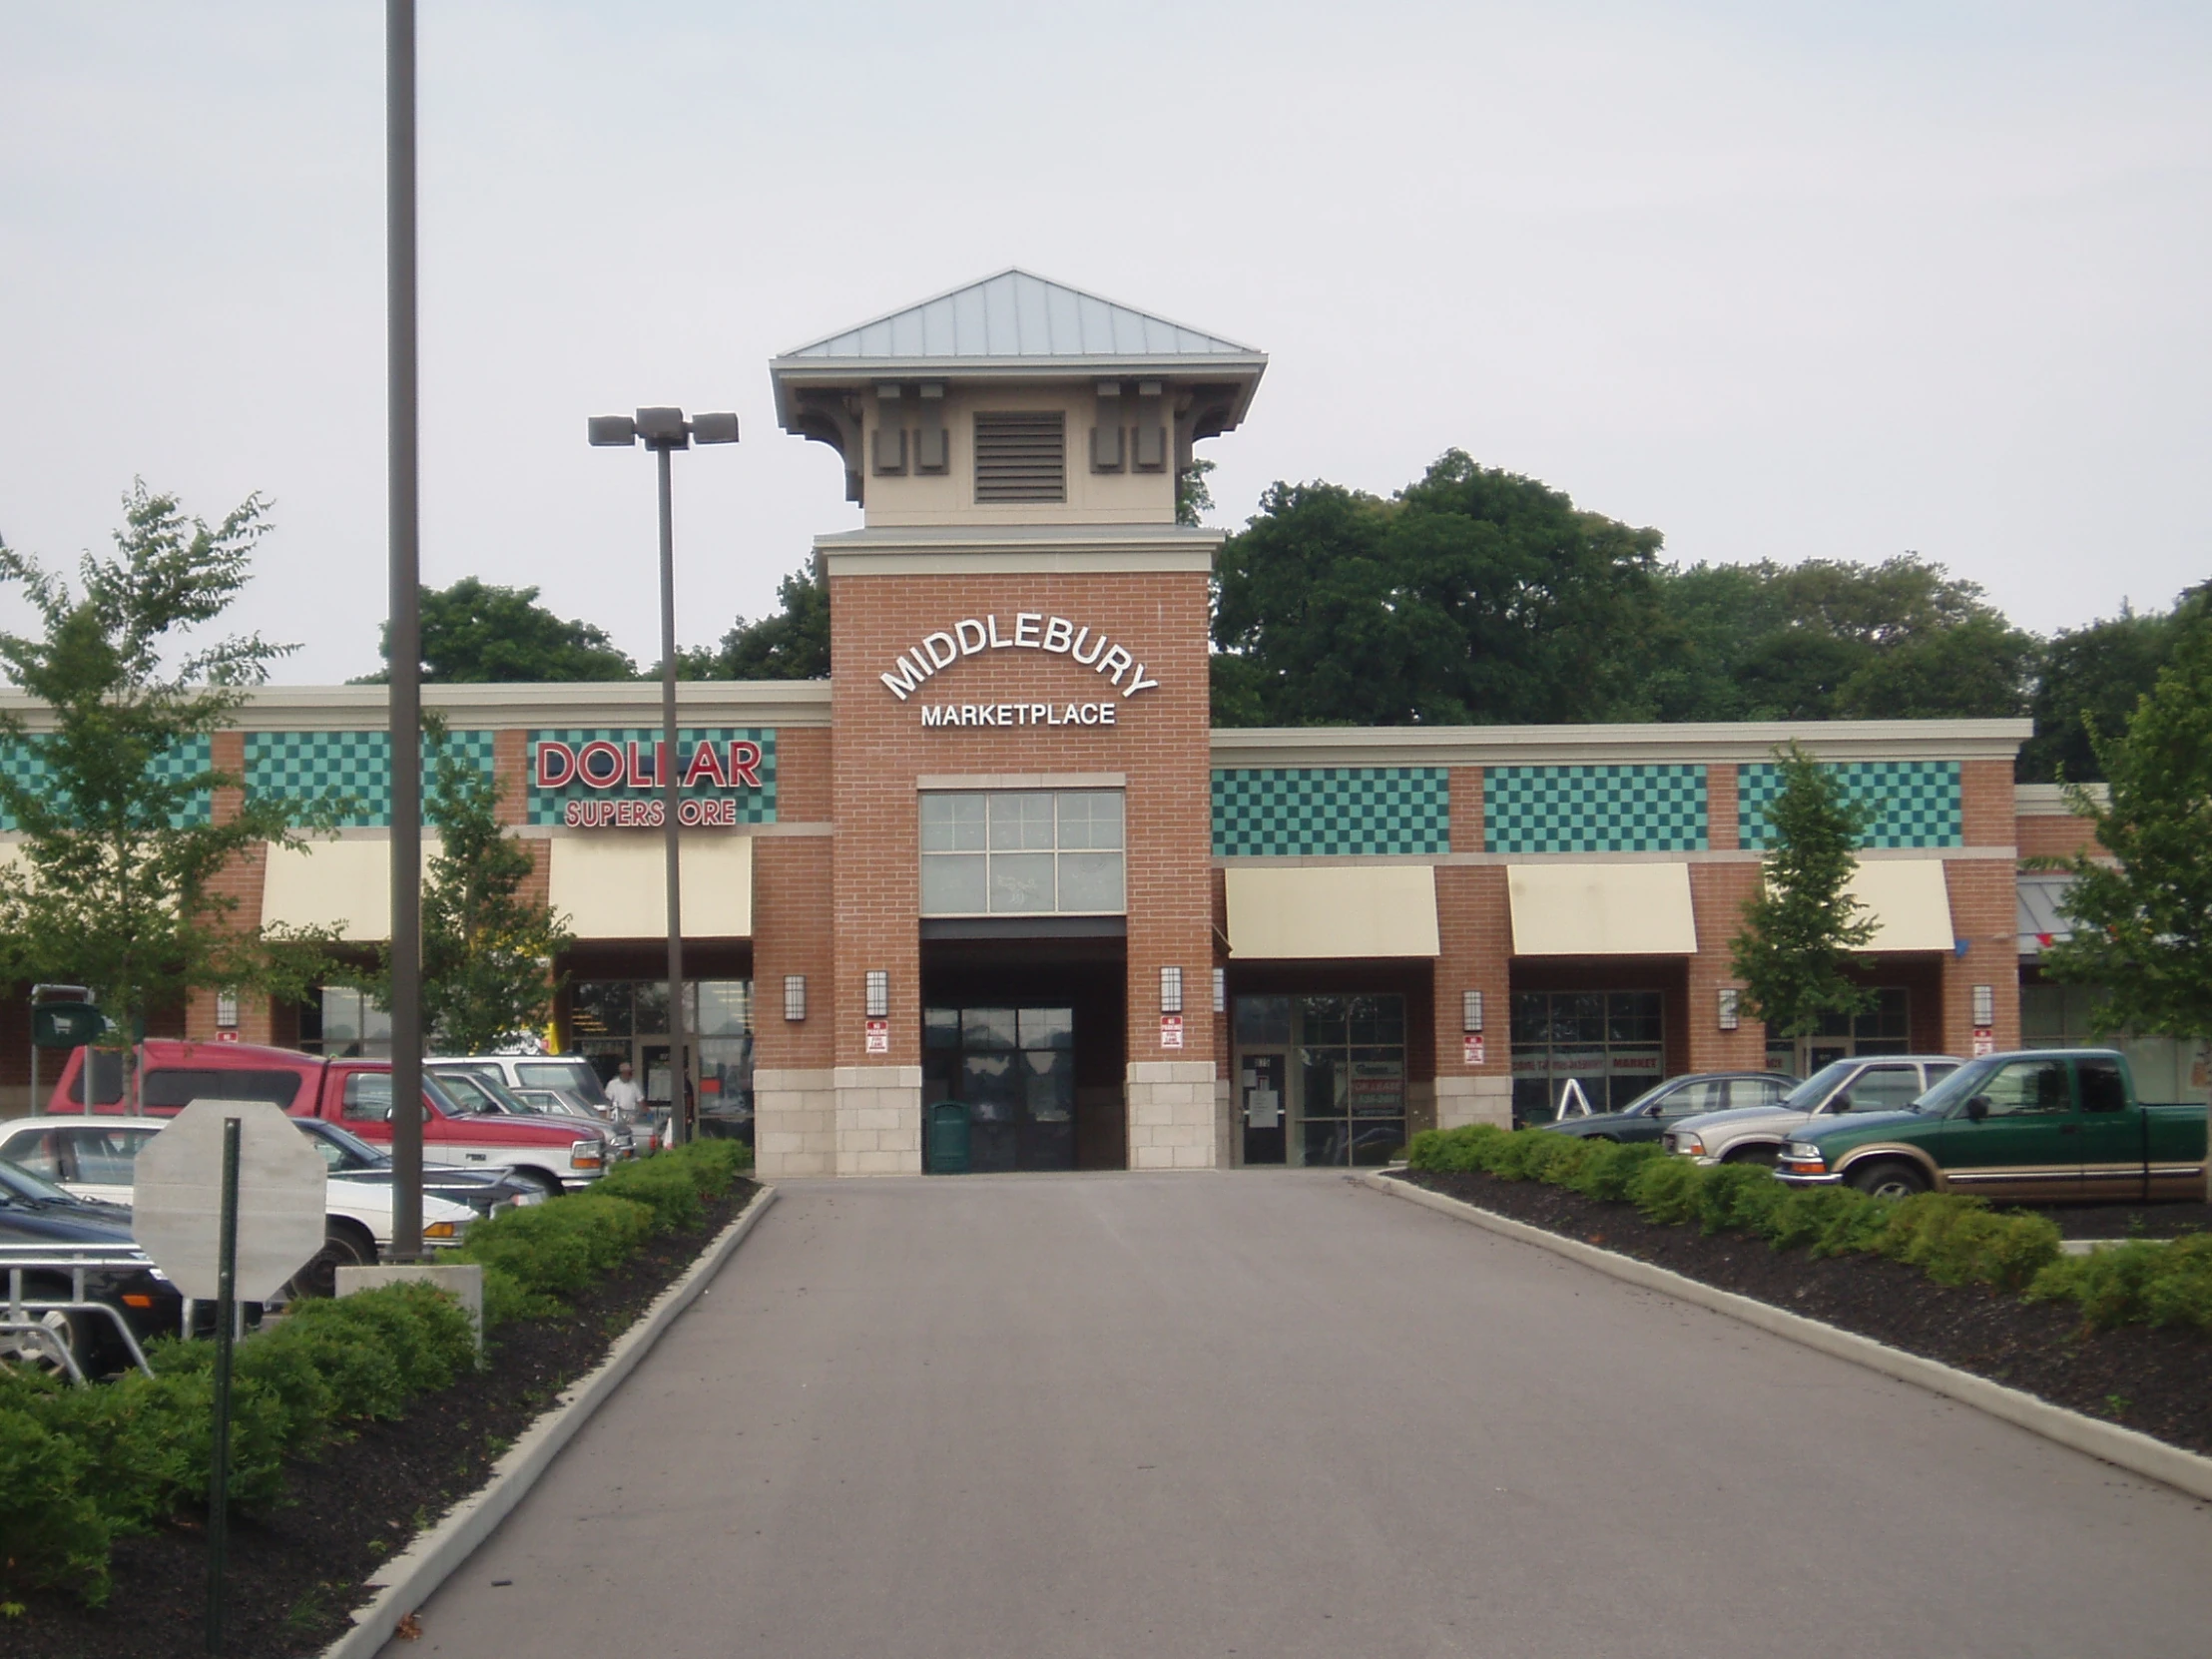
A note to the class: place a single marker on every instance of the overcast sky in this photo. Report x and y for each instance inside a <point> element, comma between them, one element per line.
<point>1782,280</point>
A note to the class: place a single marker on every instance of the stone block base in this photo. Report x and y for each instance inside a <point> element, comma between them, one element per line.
<point>1172,1114</point>
<point>879,1120</point>
<point>1464,1100</point>
<point>795,1124</point>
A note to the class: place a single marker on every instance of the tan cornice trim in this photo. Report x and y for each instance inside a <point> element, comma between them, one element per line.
<point>1717,742</point>
<point>1023,781</point>
<point>773,702</point>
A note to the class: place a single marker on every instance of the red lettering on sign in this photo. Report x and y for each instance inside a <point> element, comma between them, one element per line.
<point>599,764</point>
<point>556,764</point>
<point>745,764</point>
<point>705,762</point>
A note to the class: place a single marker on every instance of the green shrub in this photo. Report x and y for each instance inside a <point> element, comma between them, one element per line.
<point>1452,1151</point>
<point>51,1533</point>
<point>424,1329</point>
<point>1609,1167</point>
<point>2181,1291</point>
<point>1666,1189</point>
<point>666,1184</point>
<point>1826,1221</point>
<point>1956,1240</point>
<point>2139,1283</point>
<point>1737,1198</point>
<point>558,1249</point>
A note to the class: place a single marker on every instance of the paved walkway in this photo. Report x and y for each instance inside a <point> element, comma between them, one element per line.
<point>1275,1414</point>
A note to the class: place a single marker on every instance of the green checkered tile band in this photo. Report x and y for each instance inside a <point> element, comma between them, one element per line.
<point>753,806</point>
<point>1916,803</point>
<point>1593,809</point>
<point>27,767</point>
<point>350,766</point>
<point>1321,810</point>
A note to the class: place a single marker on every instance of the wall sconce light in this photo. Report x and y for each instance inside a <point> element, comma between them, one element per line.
<point>1731,1005</point>
<point>1470,1011</point>
<point>878,993</point>
<point>1221,990</point>
<point>226,1010</point>
<point>1171,990</point>
<point>1984,1005</point>
<point>794,996</point>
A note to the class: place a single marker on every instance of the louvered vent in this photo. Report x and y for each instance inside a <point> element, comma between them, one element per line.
<point>1021,457</point>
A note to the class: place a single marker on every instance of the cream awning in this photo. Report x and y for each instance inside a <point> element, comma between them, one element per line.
<point>345,885</point>
<point>1571,910</point>
<point>1911,903</point>
<point>1309,910</point>
<point>614,885</point>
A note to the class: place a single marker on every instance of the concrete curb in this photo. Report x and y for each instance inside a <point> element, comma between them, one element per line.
<point>2127,1448</point>
<point>408,1579</point>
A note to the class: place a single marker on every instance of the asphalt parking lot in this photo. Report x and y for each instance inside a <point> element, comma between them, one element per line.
<point>1274,1413</point>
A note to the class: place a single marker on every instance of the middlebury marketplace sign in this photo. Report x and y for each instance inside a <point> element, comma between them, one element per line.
<point>614,768</point>
<point>1029,631</point>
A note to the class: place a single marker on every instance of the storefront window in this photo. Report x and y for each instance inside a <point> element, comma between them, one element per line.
<point>612,1022</point>
<point>1022,852</point>
<point>1610,1043</point>
<point>2165,1068</point>
<point>1351,1063</point>
<point>1884,1028</point>
<point>344,1023</point>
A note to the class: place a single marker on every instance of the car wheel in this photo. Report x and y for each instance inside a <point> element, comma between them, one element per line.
<point>343,1245</point>
<point>41,1349</point>
<point>1761,1155</point>
<point>1889,1180</point>
<point>549,1185</point>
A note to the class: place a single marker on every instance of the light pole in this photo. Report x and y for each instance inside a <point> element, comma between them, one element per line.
<point>405,646</point>
<point>666,431</point>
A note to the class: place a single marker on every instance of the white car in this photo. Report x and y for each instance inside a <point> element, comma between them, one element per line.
<point>96,1160</point>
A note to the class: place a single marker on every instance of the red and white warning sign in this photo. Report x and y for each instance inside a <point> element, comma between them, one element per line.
<point>1472,1048</point>
<point>1985,1041</point>
<point>879,1036</point>
<point>1171,1031</point>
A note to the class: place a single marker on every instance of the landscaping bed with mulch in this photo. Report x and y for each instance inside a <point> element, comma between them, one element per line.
<point>2128,1221</point>
<point>296,1571</point>
<point>2148,1379</point>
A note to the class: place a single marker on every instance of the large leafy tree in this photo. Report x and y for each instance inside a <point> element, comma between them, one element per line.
<point>2143,914</point>
<point>1473,595</point>
<point>1799,930</point>
<point>487,947</point>
<point>2090,682</point>
<point>115,887</point>
<point>1834,639</point>
<point>475,633</point>
<point>791,644</point>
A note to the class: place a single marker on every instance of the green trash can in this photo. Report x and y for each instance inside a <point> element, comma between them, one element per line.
<point>948,1138</point>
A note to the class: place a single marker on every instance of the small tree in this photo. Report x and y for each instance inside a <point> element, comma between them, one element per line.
<point>486,946</point>
<point>114,888</point>
<point>1801,928</point>
<point>2143,920</point>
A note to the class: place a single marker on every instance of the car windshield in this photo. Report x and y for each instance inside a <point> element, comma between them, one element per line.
<point>471,1092</point>
<point>1963,1084</point>
<point>23,1184</point>
<point>1820,1085</point>
<point>341,1149</point>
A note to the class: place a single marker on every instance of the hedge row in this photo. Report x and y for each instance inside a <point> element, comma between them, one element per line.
<point>535,1258</point>
<point>82,1466</point>
<point>1954,1240</point>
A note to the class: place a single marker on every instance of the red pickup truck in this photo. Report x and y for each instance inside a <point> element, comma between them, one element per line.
<point>553,1153</point>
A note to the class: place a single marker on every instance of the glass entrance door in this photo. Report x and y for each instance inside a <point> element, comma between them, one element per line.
<point>1014,1070</point>
<point>1263,1082</point>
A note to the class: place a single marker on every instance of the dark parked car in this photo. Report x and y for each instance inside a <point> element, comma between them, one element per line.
<point>350,1157</point>
<point>37,1216</point>
<point>1647,1116</point>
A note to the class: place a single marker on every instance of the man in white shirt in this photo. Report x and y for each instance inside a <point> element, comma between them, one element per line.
<point>624,1095</point>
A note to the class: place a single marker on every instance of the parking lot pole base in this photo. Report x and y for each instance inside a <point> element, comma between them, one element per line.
<point>226,1339</point>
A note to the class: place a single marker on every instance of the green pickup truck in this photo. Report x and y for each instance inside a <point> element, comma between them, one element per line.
<point>2043,1126</point>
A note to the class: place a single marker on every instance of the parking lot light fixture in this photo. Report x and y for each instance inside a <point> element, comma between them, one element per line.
<point>664,430</point>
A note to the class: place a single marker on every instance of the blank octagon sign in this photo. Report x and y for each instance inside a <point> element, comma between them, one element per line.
<point>177,1201</point>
